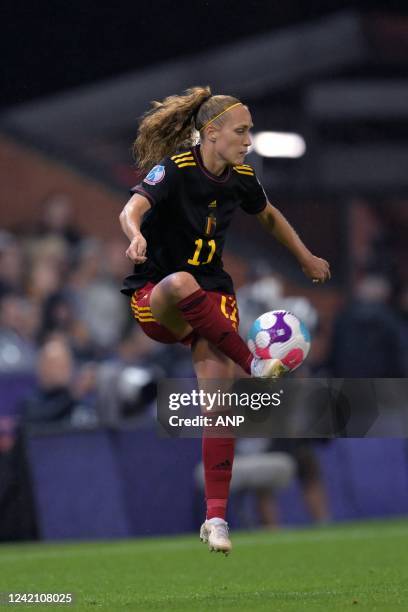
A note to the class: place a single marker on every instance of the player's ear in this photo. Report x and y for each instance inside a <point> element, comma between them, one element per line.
<point>211,133</point>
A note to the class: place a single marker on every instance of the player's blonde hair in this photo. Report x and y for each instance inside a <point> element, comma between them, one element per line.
<point>171,125</point>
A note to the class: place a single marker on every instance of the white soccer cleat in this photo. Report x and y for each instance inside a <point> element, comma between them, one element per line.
<point>267,368</point>
<point>215,532</point>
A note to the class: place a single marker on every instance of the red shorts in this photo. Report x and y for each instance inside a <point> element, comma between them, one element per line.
<point>140,305</point>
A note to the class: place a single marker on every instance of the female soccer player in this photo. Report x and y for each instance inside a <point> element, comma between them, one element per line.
<point>179,289</point>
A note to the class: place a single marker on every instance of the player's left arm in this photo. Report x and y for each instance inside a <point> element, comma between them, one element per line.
<point>275,223</point>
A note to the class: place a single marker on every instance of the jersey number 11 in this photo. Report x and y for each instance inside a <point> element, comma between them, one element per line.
<point>195,260</point>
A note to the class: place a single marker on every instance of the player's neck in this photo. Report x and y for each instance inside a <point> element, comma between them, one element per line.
<point>211,162</point>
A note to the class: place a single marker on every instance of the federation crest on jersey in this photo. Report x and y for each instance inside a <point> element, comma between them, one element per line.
<point>210,225</point>
<point>155,175</point>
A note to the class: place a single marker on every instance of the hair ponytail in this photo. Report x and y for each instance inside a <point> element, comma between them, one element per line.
<point>168,126</point>
<point>172,124</point>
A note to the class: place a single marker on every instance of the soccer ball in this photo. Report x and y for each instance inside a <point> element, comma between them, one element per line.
<point>280,335</point>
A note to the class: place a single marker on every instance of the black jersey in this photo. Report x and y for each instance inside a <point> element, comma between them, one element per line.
<point>191,210</point>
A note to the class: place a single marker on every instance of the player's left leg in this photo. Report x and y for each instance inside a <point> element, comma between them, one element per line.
<point>218,453</point>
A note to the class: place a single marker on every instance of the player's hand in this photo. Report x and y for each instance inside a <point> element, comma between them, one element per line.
<point>137,250</point>
<point>316,269</point>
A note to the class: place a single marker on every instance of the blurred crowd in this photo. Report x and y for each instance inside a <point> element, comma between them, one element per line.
<point>62,317</point>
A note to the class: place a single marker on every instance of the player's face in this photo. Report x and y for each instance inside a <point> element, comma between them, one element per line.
<point>233,138</point>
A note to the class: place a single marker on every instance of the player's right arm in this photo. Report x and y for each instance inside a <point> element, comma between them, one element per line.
<point>154,191</point>
<point>130,220</point>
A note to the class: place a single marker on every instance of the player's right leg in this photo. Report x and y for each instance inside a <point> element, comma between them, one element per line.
<point>178,298</point>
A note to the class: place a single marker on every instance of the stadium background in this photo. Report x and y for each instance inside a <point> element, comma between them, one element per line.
<point>75,81</point>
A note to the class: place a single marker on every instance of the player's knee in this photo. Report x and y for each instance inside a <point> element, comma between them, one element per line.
<point>181,283</point>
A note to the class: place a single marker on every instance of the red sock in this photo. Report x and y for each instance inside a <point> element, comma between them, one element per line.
<point>205,318</point>
<point>218,457</point>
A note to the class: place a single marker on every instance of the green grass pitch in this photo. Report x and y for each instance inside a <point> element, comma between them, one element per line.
<point>353,566</point>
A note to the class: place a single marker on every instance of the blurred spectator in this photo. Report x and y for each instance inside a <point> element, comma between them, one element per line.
<point>59,394</point>
<point>367,339</point>
<point>95,288</point>
<point>11,263</point>
<point>255,298</point>
<point>307,470</point>
<point>87,264</point>
<point>57,219</point>
<point>17,320</point>
<point>44,280</point>
<point>116,265</point>
<point>266,294</point>
<point>60,314</point>
<point>127,382</point>
<point>17,513</point>
<point>50,249</point>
